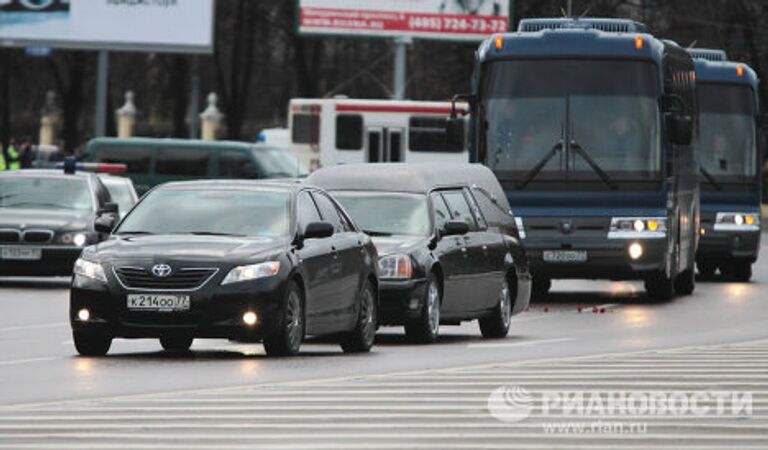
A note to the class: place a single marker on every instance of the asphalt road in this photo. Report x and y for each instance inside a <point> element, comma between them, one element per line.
<point>40,372</point>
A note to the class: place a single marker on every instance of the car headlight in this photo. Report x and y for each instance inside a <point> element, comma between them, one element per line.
<point>90,269</point>
<point>78,239</point>
<point>252,272</point>
<point>520,227</point>
<point>736,221</point>
<point>396,267</point>
<point>637,227</point>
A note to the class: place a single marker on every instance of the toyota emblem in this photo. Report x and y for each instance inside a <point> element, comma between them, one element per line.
<point>566,226</point>
<point>161,270</point>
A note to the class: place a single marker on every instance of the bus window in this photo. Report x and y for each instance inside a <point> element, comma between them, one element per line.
<point>305,129</point>
<point>136,159</point>
<point>349,132</point>
<point>427,134</point>
<point>190,162</point>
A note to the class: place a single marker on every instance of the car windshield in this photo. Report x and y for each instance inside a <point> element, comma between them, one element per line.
<point>564,113</point>
<point>277,163</point>
<point>45,193</point>
<point>727,139</point>
<point>210,212</point>
<point>387,214</point>
<point>120,191</point>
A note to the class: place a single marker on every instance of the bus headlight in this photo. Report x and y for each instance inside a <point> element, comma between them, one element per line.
<point>637,228</point>
<point>737,221</point>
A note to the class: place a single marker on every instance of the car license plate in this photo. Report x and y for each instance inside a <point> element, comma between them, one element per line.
<point>21,253</point>
<point>158,302</point>
<point>565,256</point>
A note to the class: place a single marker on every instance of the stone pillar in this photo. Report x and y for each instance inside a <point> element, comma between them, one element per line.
<point>126,117</point>
<point>50,120</point>
<point>211,119</point>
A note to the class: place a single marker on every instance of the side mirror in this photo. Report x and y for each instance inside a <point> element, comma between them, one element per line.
<point>318,230</point>
<point>104,224</point>
<point>455,228</point>
<point>454,132</point>
<point>680,129</point>
<point>109,208</point>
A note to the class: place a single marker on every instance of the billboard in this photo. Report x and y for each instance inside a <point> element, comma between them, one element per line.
<point>141,25</point>
<point>469,20</point>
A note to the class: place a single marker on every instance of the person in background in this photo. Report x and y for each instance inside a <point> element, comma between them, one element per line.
<point>27,154</point>
<point>13,162</point>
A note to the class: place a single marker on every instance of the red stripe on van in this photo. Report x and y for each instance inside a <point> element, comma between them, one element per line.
<point>443,110</point>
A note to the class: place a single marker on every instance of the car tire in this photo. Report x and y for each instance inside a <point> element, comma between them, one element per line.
<point>39,5</point>
<point>659,286</point>
<point>90,344</point>
<point>176,343</point>
<point>286,341</point>
<point>497,324</point>
<point>541,286</point>
<point>685,282</point>
<point>739,271</point>
<point>426,328</point>
<point>360,340</point>
<point>707,270</point>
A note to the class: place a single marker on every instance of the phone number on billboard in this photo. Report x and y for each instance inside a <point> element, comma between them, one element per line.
<point>457,24</point>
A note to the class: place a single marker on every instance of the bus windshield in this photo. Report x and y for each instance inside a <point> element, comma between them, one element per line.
<point>728,147</point>
<point>578,120</point>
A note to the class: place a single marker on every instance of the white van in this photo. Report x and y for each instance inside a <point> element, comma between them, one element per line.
<point>327,132</point>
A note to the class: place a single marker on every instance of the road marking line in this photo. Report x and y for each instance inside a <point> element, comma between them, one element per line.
<point>25,361</point>
<point>515,344</point>
<point>35,327</point>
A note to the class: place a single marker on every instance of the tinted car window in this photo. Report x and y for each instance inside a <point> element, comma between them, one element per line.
<point>182,211</point>
<point>136,159</point>
<point>236,164</point>
<point>442,215</point>
<point>459,208</point>
<point>306,210</point>
<point>476,209</point>
<point>328,211</point>
<point>191,162</point>
<point>349,132</point>
<point>306,129</point>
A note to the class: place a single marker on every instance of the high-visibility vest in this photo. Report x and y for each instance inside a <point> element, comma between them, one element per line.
<point>13,159</point>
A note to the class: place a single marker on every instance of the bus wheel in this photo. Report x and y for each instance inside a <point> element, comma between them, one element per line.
<point>707,270</point>
<point>659,286</point>
<point>739,271</point>
<point>685,282</point>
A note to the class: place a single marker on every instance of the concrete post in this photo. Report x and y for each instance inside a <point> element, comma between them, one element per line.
<point>126,117</point>
<point>211,119</point>
<point>50,120</point>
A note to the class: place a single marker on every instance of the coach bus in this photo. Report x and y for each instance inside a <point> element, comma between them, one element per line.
<point>589,124</point>
<point>730,165</point>
<point>327,132</point>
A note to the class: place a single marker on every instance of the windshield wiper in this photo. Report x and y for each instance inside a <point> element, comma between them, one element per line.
<point>377,233</point>
<point>710,178</point>
<point>540,165</point>
<point>591,162</point>
<point>133,232</point>
<point>49,205</point>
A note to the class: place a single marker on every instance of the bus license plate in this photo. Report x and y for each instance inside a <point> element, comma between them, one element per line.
<point>21,253</point>
<point>565,256</point>
<point>158,302</point>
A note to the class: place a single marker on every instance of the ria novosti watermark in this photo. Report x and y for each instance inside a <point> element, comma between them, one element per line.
<point>611,411</point>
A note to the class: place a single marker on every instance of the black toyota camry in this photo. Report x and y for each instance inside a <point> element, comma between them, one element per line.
<point>244,260</point>
<point>448,243</point>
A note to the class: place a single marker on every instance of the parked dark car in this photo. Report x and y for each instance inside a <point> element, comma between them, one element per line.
<point>447,241</point>
<point>244,260</point>
<point>47,217</point>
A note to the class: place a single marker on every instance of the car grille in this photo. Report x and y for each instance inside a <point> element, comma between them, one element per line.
<point>187,279</point>
<point>37,236</point>
<point>10,236</point>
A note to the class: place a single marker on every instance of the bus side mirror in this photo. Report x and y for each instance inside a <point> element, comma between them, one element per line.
<point>680,129</point>
<point>454,131</point>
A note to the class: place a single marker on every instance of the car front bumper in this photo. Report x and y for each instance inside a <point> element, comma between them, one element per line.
<point>54,261</point>
<point>215,311</point>
<point>606,259</point>
<point>401,300</point>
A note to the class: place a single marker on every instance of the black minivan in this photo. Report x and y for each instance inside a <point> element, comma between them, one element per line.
<point>447,243</point>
